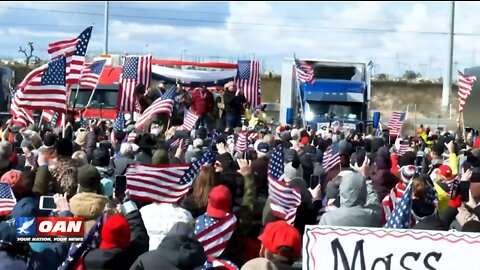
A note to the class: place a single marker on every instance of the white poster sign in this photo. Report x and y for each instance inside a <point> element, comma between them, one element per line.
<point>348,248</point>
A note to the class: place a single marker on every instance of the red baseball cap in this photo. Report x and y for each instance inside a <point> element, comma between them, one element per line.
<point>280,234</point>
<point>219,202</point>
<point>445,170</point>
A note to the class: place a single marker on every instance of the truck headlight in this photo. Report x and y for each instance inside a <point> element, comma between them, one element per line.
<point>309,116</point>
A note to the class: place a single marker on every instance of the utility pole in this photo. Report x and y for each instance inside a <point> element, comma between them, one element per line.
<point>105,48</point>
<point>447,79</point>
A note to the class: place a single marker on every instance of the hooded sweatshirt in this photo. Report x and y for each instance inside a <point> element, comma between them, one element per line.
<point>352,210</point>
<point>176,252</point>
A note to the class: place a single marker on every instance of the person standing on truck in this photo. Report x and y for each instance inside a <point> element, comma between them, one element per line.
<point>233,100</point>
<point>202,105</point>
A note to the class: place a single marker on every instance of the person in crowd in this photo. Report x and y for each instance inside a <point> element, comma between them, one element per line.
<point>233,100</point>
<point>382,179</point>
<point>202,105</point>
<point>89,201</point>
<point>159,218</point>
<point>195,152</point>
<point>260,167</point>
<point>196,202</point>
<point>353,210</point>
<point>178,250</point>
<point>146,145</point>
<point>126,159</point>
<point>64,170</point>
<point>123,239</point>
<point>281,248</point>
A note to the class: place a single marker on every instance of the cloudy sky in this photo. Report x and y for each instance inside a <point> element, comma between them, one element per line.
<point>395,35</point>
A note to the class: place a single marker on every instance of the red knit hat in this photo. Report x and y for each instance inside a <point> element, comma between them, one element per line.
<point>305,140</point>
<point>15,180</point>
<point>279,234</point>
<point>219,202</point>
<point>115,233</point>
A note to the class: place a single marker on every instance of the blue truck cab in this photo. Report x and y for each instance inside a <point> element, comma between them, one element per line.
<point>337,98</point>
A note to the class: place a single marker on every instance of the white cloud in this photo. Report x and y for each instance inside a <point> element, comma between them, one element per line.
<point>274,30</point>
<point>19,31</point>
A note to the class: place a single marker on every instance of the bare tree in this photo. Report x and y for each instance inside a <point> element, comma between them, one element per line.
<point>29,55</point>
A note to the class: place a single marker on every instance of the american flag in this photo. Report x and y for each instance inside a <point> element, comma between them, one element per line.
<point>403,147</point>
<point>52,117</point>
<point>401,217</point>
<point>303,70</point>
<point>181,142</point>
<point>284,198</point>
<point>248,80</point>
<point>164,183</point>
<point>7,199</point>
<point>118,125</point>
<point>136,70</point>
<point>252,137</point>
<point>215,263</point>
<point>395,123</point>
<point>91,74</point>
<point>161,105</point>
<point>44,88</point>
<point>391,200</point>
<point>90,241</point>
<point>74,50</point>
<point>331,157</point>
<point>189,121</point>
<point>465,85</point>
<point>241,145</point>
<point>214,233</point>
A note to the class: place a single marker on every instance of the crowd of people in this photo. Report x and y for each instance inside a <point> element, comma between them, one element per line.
<point>79,168</point>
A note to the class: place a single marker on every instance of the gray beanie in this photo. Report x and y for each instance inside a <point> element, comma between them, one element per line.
<point>292,172</point>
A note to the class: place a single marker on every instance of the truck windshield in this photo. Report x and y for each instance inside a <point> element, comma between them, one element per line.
<point>339,110</point>
<point>107,97</point>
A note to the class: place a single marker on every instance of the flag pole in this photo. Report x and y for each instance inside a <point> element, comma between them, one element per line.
<point>89,100</point>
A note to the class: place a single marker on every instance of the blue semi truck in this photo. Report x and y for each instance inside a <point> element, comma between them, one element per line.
<point>338,97</point>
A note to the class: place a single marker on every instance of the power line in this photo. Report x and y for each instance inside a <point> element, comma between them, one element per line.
<point>235,23</point>
<point>221,13</point>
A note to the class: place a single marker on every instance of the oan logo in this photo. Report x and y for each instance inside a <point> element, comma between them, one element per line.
<point>50,226</point>
<point>26,226</point>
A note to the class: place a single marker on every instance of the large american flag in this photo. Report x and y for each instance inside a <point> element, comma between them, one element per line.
<point>160,105</point>
<point>395,123</point>
<point>74,50</point>
<point>136,70</point>
<point>401,217</point>
<point>331,157</point>
<point>241,144</point>
<point>44,88</point>
<point>52,117</point>
<point>164,183</point>
<point>215,263</point>
<point>465,85</point>
<point>303,70</point>
<point>7,199</point>
<point>248,80</point>
<point>91,74</point>
<point>90,242</point>
<point>214,233</point>
<point>189,121</point>
<point>284,198</point>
